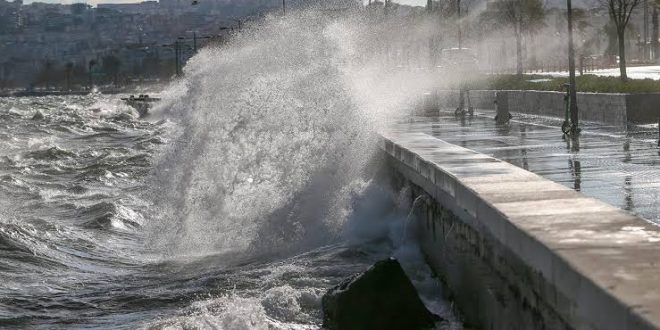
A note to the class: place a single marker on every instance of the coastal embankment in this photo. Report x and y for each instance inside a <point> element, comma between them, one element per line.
<point>610,108</point>
<point>517,251</point>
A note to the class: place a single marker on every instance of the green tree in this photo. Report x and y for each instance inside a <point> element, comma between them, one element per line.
<point>90,72</point>
<point>611,50</point>
<point>68,69</point>
<point>47,73</point>
<point>79,8</point>
<point>620,12</point>
<point>521,16</point>
<point>5,75</point>
<point>111,66</point>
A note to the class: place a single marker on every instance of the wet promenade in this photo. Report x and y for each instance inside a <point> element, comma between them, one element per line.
<point>618,165</point>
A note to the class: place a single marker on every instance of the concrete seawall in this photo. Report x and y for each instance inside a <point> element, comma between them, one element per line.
<point>480,99</point>
<point>517,251</point>
<point>610,108</point>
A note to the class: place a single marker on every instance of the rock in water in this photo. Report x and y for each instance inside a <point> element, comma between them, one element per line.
<point>38,116</point>
<point>380,298</point>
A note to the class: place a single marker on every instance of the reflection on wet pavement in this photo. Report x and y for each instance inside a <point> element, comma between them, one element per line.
<point>618,165</point>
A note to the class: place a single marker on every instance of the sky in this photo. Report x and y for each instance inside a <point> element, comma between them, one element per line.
<point>93,2</point>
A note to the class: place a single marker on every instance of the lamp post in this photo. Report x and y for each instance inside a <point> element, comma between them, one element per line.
<point>194,41</point>
<point>572,94</point>
<point>180,47</point>
<point>239,23</point>
<point>645,57</point>
<point>458,11</point>
<point>177,50</point>
<point>177,56</point>
<point>654,35</point>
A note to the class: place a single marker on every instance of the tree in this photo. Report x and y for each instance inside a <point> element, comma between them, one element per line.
<point>612,49</point>
<point>620,12</point>
<point>111,65</point>
<point>79,8</point>
<point>522,16</point>
<point>68,68</point>
<point>91,65</point>
<point>5,75</point>
<point>46,74</point>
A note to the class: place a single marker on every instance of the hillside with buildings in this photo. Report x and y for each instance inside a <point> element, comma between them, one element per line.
<point>76,45</point>
<point>53,44</point>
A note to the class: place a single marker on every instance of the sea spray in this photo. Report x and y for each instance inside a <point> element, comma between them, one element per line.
<point>96,226</point>
<point>274,153</point>
<point>274,127</point>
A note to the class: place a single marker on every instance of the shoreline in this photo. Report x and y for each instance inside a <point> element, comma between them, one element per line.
<point>134,89</point>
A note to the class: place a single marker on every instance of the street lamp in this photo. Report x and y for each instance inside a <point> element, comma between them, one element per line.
<point>177,50</point>
<point>458,11</point>
<point>572,94</point>
<point>239,23</point>
<point>194,40</point>
<point>646,30</point>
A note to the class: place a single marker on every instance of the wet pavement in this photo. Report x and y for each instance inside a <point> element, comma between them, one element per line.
<point>618,165</point>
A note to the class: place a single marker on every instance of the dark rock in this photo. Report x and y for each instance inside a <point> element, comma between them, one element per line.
<point>380,298</point>
<point>38,116</point>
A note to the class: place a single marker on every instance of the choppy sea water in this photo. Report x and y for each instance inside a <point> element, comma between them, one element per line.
<point>246,193</point>
<point>235,205</point>
<point>75,239</point>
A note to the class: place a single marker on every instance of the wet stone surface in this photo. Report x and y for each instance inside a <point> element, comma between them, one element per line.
<point>560,256</point>
<point>615,164</point>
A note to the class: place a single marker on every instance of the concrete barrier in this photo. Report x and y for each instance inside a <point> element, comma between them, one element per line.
<point>643,108</point>
<point>480,99</point>
<point>517,251</point>
<point>611,108</point>
<point>605,108</point>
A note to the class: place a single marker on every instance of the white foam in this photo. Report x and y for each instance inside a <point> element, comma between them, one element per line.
<point>273,135</point>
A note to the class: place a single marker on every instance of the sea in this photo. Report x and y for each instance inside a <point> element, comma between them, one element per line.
<point>249,190</point>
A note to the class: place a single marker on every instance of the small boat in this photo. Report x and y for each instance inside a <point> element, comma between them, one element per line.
<point>142,103</point>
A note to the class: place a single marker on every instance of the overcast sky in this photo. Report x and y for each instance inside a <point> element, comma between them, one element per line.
<point>93,2</point>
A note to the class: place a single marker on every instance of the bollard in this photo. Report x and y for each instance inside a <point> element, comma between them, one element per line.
<point>460,110</point>
<point>502,108</point>
<point>470,107</point>
<point>659,131</point>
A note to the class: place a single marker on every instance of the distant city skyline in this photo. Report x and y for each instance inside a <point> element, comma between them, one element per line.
<point>94,2</point>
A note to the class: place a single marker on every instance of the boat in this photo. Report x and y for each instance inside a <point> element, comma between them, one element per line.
<point>142,103</point>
